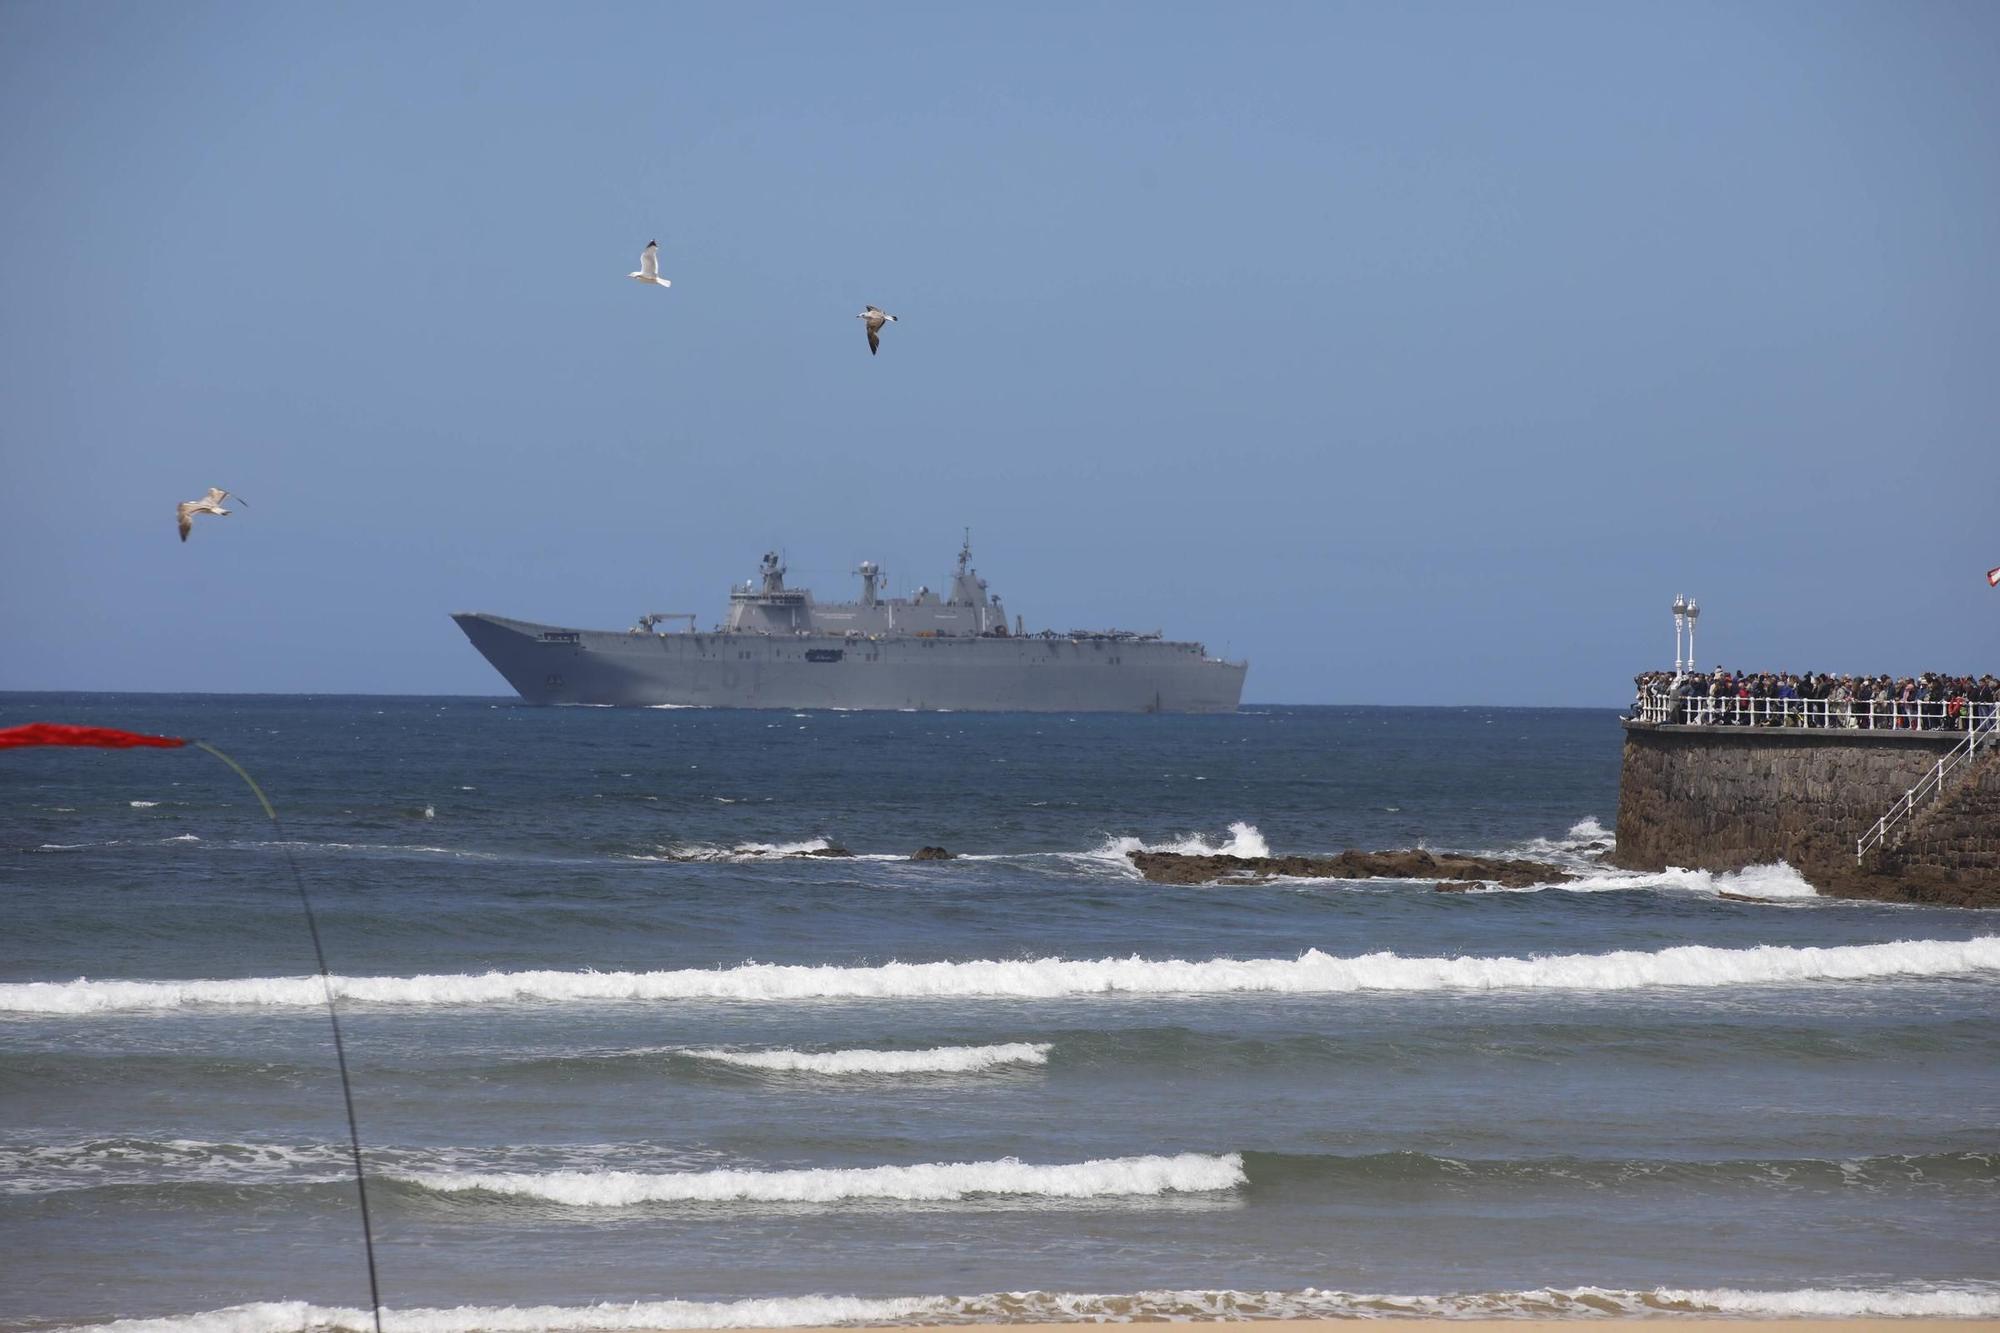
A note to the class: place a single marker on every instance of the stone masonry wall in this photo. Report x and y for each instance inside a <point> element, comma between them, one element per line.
<point>1955,843</point>
<point>1721,798</point>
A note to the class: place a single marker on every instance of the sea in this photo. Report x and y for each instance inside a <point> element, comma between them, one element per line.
<point>622,1059</point>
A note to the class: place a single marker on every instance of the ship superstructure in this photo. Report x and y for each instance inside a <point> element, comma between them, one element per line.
<point>778,648</point>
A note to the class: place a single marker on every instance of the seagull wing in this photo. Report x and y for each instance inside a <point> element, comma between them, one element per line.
<point>216,495</point>
<point>874,338</point>
<point>181,512</point>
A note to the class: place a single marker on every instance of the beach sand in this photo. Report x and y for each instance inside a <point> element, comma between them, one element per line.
<point>1405,1324</point>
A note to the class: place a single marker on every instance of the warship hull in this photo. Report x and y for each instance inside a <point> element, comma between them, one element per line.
<point>552,664</point>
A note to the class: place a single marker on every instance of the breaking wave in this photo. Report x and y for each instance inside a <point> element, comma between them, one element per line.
<point>1968,1301</point>
<point>1776,882</point>
<point>937,1060</point>
<point>1243,841</point>
<point>756,851</point>
<point>930,1182</point>
<point>747,851</point>
<point>1586,838</point>
<point>1311,973</point>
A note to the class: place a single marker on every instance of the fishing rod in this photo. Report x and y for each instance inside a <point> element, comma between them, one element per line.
<point>106,738</point>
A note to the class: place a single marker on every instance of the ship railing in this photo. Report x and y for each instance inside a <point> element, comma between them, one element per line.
<point>1662,708</point>
<point>1985,727</point>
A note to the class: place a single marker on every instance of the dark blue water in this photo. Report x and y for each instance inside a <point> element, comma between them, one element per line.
<point>579,1080</point>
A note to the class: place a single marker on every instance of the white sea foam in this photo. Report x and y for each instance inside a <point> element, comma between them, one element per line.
<point>936,1060</point>
<point>1243,841</point>
<point>38,1168</point>
<point>1586,839</point>
<point>1969,1301</point>
<point>1046,978</point>
<point>929,1182</point>
<point>744,852</point>
<point>142,805</point>
<point>1778,882</point>
<point>1768,881</point>
<point>1840,1303</point>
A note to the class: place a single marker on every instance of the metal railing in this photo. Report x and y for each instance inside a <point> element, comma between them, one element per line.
<point>1699,710</point>
<point>1983,730</point>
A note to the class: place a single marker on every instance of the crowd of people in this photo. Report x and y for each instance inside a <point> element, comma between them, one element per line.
<point>1930,702</point>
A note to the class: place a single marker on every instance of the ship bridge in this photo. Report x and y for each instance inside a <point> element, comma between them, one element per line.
<point>767,606</point>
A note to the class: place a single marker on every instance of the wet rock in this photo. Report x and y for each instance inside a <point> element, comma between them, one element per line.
<point>931,854</point>
<point>826,852</point>
<point>1446,886</point>
<point>1413,863</point>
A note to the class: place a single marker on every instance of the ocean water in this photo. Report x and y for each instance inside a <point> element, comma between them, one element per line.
<point>622,1063</point>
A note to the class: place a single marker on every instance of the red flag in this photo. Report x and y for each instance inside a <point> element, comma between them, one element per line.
<point>62,733</point>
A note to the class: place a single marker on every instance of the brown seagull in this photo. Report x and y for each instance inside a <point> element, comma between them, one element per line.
<point>208,504</point>
<point>873,320</point>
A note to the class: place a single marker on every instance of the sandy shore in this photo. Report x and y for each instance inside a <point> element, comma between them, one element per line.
<point>1666,1322</point>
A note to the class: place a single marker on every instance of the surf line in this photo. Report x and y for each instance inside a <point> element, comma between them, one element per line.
<point>108,738</point>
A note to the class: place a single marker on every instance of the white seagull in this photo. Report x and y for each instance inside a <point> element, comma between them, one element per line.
<point>649,266</point>
<point>208,504</point>
<point>874,320</point>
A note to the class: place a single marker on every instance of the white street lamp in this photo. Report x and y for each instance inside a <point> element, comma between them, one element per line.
<point>1679,608</point>
<point>1693,614</point>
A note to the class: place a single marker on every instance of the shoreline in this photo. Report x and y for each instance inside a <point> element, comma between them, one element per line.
<point>1435,1324</point>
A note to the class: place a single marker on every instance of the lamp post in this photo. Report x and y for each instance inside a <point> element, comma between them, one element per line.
<point>1680,618</point>
<point>1693,614</point>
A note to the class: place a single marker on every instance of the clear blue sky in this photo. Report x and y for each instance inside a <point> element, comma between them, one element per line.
<point>1419,352</point>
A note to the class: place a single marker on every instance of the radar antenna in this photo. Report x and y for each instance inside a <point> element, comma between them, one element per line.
<point>871,576</point>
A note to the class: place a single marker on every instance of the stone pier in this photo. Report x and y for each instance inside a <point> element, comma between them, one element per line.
<point>1725,797</point>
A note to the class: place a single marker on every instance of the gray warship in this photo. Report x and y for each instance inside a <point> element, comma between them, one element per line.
<point>778,648</point>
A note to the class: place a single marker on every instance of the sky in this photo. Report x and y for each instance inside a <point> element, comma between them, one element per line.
<point>1419,353</point>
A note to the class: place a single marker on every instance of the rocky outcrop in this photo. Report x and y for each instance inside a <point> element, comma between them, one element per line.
<point>1415,863</point>
<point>931,854</point>
<point>834,852</point>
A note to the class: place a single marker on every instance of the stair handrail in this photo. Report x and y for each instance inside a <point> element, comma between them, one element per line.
<point>1931,784</point>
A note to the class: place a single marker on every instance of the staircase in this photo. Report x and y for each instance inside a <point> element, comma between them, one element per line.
<point>1984,733</point>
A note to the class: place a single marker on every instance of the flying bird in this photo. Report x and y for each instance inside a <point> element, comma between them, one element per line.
<point>649,266</point>
<point>208,504</point>
<point>873,320</point>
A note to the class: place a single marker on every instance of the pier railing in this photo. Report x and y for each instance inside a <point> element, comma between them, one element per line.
<point>1694,710</point>
<point>1984,729</point>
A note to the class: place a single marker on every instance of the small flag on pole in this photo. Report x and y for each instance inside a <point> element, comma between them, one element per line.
<point>1993,578</point>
